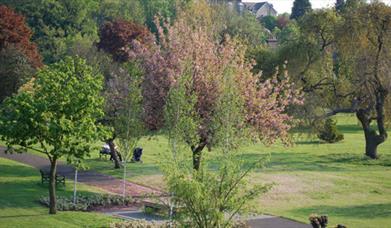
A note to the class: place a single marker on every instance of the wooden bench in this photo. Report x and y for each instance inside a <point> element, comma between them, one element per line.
<point>45,178</point>
<point>159,208</point>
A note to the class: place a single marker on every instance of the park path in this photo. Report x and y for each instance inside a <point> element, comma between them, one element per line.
<point>89,177</point>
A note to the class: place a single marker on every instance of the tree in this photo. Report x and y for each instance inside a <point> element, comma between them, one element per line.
<point>14,32</point>
<point>110,10</point>
<point>368,60</point>
<point>270,22</point>
<point>344,72</point>
<point>300,7</point>
<point>183,45</point>
<point>282,20</point>
<point>15,70</point>
<point>118,38</point>
<point>129,123</point>
<point>243,26</point>
<point>210,198</point>
<point>56,23</point>
<point>58,117</point>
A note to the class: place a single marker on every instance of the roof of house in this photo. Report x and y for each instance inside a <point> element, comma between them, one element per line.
<point>254,6</point>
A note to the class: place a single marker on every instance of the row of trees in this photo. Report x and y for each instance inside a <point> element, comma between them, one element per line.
<point>127,83</point>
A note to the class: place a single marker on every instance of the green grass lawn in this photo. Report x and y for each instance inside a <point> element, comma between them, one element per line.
<point>309,177</point>
<point>20,190</point>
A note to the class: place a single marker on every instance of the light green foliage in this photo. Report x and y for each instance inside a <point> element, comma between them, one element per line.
<point>128,123</point>
<point>230,127</point>
<point>130,10</point>
<point>208,198</point>
<point>245,27</point>
<point>180,116</point>
<point>59,114</point>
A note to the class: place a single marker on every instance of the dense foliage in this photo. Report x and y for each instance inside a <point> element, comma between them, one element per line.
<point>88,202</point>
<point>329,132</point>
<point>57,116</point>
<point>300,7</point>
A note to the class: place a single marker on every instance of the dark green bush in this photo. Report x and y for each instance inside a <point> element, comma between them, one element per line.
<point>88,202</point>
<point>329,132</point>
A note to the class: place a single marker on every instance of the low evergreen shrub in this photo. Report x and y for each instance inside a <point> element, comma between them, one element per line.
<point>329,132</point>
<point>88,202</point>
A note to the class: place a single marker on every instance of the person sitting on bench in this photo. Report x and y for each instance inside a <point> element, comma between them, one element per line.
<point>137,152</point>
<point>106,151</point>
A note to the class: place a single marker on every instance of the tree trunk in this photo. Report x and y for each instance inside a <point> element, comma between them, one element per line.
<point>52,187</point>
<point>113,153</point>
<point>197,155</point>
<point>372,138</point>
<point>371,144</point>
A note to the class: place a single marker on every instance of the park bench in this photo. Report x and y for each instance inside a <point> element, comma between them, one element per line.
<point>159,208</point>
<point>45,177</point>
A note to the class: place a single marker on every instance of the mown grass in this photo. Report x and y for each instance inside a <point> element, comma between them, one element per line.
<point>20,190</point>
<point>309,177</point>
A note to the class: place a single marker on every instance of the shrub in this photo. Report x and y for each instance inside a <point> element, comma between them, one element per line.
<point>88,202</point>
<point>139,224</point>
<point>146,224</point>
<point>329,132</point>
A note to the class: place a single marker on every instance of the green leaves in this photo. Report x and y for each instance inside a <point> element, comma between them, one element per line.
<point>61,112</point>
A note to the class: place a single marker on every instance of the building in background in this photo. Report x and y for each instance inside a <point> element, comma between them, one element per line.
<point>260,9</point>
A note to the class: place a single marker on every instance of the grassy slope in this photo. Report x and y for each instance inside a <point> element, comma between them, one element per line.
<point>19,191</point>
<point>310,177</point>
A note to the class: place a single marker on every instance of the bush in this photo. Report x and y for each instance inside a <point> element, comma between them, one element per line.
<point>146,224</point>
<point>329,132</point>
<point>88,202</point>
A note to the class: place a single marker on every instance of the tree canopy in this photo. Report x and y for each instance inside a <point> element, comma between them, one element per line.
<point>300,7</point>
<point>57,117</point>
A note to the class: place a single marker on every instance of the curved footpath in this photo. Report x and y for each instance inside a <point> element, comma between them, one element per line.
<point>114,185</point>
<point>89,177</point>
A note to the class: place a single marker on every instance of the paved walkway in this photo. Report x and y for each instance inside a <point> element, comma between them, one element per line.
<point>105,182</point>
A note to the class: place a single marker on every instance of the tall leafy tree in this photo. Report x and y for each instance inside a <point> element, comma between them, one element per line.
<point>345,72</point>
<point>14,32</point>
<point>56,23</point>
<point>57,117</point>
<point>19,57</point>
<point>183,44</point>
<point>128,123</point>
<point>117,38</point>
<point>300,7</point>
<point>210,198</point>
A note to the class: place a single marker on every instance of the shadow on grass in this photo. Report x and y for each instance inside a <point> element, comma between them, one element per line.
<point>355,159</point>
<point>379,210</point>
<point>287,161</point>
<point>309,142</point>
<point>349,128</point>
<point>293,161</point>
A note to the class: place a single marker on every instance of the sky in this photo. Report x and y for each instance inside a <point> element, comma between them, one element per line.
<point>286,5</point>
